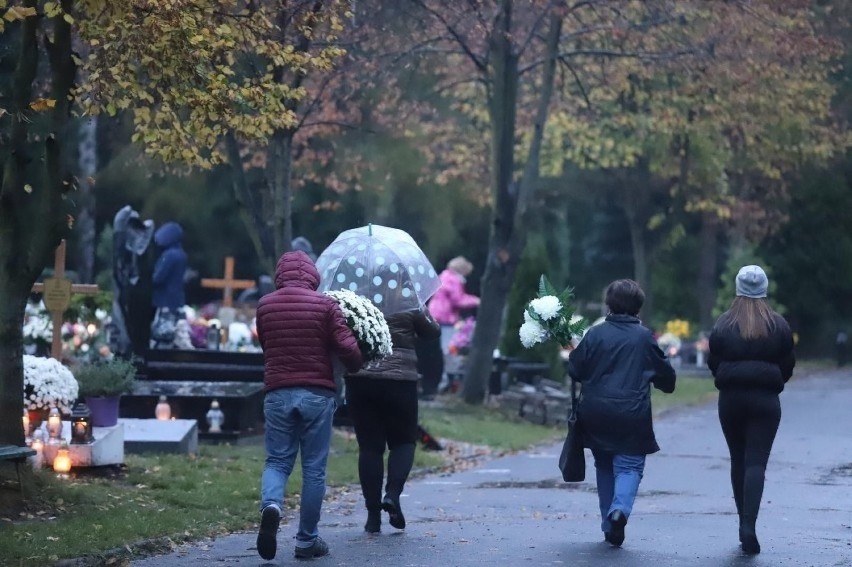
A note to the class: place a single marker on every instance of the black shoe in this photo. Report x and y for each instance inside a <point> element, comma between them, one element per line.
<point>318,549</point>
<point>616,533</point>
<point>748,541</point>
<point>607,537</point>
<point>267,537</point>
<point>395,517</point>
<point>374,522</point>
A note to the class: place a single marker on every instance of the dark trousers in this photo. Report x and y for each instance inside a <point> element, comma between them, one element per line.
<point>385,415</point>
<point>749,421</point>
<point>430,365</point>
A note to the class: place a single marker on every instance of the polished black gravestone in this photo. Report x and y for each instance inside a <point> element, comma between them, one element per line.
<point>192,379</point>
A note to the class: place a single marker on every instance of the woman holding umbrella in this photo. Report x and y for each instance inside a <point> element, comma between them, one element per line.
<point>387,266</point>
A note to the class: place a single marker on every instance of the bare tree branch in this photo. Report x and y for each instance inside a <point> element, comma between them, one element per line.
<point>477,61</point>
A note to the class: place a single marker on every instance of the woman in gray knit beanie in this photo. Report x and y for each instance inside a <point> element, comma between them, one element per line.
<point>751,357</point>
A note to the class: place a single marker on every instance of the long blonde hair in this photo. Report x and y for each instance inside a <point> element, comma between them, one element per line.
<point>753,318</point>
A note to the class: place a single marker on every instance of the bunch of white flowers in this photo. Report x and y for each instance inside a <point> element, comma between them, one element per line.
<point>531,332</point>
<point>550,316</point>
<point>367,323</point>
<point>38,326</point>
<point>47,384</point>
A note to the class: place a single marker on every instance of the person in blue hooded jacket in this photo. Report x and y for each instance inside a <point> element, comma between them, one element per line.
<point>167,293</point>
<point>617,362</point>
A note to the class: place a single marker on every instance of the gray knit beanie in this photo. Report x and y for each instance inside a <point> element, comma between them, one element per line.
<point>752,282</point>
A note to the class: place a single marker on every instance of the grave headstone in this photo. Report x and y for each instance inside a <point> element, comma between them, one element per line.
<point>160,436</point>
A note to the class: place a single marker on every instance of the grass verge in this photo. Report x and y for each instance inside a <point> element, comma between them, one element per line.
<point>161,499</point>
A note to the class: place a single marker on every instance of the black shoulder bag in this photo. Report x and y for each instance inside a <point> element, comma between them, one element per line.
<point>572,461</point>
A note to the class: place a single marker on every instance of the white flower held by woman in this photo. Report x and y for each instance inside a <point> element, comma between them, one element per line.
<point>550,316</point>
<point>547,307</point>
<point>531,333</point>
<point>367,324</point>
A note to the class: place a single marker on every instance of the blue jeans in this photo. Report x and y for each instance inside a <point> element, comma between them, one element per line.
<point>297,419</point>
<point>618,479</point>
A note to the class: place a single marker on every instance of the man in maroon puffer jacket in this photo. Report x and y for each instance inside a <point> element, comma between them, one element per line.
<point>300,330</point>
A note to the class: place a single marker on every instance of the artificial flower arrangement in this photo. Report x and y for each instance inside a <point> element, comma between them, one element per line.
<point>679,328</point>
<point>460,343</point>
<point>550,316</point>
<point>38,326</point>
<point>48,383</point>
<point>367,323</point>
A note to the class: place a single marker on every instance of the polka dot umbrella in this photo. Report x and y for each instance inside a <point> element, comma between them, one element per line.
<point>381,263</point>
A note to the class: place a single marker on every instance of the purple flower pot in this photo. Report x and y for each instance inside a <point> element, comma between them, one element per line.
<point>104,411</point>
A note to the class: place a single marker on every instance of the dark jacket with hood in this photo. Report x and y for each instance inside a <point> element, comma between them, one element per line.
<point>764,364</point>
<point>167,289</point>
<point>301,329</point>
<point>617,362</point>
<point>406,328</point>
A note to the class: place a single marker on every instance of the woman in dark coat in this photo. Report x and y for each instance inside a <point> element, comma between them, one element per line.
<point>751,357</point>
<point>617,362</point>
<point>382,400</point>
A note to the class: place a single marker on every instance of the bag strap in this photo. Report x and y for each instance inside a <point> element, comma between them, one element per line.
<point>574,401</point>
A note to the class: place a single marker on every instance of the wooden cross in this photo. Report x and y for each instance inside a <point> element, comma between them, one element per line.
<point>228,283</point>
<point>56,294</point>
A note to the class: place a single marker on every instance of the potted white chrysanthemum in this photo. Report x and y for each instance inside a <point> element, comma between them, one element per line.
<point>47,384</point>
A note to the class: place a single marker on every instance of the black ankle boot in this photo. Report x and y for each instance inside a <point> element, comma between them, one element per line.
<point>374,522</point>
<point>748,536</point>
<point>390,504</point>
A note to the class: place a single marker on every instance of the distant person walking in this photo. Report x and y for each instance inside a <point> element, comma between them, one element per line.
<point>382,401</point>
<point>751,357</point>
<point>617,362</point>
<point>451,299</point>
<point>300,330</point>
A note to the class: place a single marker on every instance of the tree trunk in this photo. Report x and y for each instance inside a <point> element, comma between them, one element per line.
<point>251,212</point>
<point>637,224</point>
<point>86,230</point>
<point>279,173</point>
<point>11,352</point>
<point>33,210</point>
<point>707,280</point>
<point>508,231</point>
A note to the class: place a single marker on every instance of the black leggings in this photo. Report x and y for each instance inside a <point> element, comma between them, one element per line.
<point>749,421</point>
<point>385,415</point>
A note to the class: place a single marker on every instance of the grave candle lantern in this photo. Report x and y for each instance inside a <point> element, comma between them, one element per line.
<point>163,411</point>
<point>26,420</point>
<point>81,425</point>
<point>54,427</point>
<point>62,461</point>
<point>38,447</point>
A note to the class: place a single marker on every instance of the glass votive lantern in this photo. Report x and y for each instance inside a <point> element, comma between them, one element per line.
<point>26,420</point>
<point>81,425</point>
<point>54,427</point>
<point>163,411</point>
<point>62,461</point>
<point>38,447</point>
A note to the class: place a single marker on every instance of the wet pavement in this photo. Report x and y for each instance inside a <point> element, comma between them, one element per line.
<point>516,511</point>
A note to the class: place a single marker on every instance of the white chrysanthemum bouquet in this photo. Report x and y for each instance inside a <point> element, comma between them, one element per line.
<point>48,383</point>
<point>367,323</point>
<point>550,316</point>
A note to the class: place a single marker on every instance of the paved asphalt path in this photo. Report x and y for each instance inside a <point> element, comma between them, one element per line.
<point>515,511</point>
